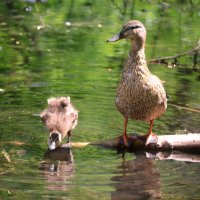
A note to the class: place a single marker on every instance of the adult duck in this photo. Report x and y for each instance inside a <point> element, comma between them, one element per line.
<point>140,94</point>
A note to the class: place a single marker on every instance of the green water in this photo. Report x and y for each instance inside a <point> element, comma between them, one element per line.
<point>58,48</point>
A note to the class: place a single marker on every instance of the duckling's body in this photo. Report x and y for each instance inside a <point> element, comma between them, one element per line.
<point>140,94</point>
<point>60,118</point>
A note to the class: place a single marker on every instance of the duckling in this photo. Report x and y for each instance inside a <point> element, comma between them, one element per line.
<point>60,118</point>
<point>140,94</point>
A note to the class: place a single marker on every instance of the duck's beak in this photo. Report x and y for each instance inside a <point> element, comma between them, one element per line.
<point>115,38</point>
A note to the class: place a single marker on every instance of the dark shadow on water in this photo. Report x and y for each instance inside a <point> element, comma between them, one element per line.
<point>58,169</point>
<point>137,179</point>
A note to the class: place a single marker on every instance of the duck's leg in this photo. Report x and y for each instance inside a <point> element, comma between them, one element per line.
<point>125,136</point>
<point>151,137</point>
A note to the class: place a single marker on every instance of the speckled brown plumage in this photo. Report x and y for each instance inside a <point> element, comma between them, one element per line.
<point>140,94</point>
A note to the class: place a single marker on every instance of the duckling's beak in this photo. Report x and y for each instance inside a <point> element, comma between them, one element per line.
<point>115,38</point>
<point>52,145</point>
<point>54,140</point>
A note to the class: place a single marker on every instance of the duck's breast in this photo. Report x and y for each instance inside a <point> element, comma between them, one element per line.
<point>141,98</point>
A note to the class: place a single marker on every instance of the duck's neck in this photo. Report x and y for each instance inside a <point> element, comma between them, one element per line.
<point>136,60</point>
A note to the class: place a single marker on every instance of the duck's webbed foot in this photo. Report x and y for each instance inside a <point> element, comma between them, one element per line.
<point>123,140</point>
<point>151,139</point>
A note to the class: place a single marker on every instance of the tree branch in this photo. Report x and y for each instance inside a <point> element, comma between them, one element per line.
<point>173,60</point>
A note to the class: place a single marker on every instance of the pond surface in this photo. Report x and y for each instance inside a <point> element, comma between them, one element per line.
<point>58,48</point>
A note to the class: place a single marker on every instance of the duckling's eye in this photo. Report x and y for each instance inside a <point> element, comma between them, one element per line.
<point>44,117</point>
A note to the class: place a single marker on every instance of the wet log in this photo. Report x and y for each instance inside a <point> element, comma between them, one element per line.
<point>183,142</point>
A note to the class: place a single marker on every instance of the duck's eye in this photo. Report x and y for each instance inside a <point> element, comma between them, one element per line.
<point>132,27</point>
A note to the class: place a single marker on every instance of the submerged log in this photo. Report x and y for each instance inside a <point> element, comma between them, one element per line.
<point>184,142</point>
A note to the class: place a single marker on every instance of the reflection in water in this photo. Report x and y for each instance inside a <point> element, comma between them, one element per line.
<point>58,169</point>
<point>138,179</point>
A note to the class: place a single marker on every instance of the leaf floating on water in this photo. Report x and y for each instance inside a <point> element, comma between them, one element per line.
<point>80,144</point>
<point>39,27</point>
<point>169,65</point>
<point>99,25</point>
<point>6,155</point>
<point>68,23</point>
<point>42,162</point>
<point>17,143</point>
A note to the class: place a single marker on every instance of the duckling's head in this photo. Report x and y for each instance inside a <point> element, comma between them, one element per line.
<point>133,30</point>
<point>60,118</point>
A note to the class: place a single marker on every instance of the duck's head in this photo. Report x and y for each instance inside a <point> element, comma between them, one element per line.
<point>60,118</point>
<point>133,30</point>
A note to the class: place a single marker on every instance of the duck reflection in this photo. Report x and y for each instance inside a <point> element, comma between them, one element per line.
<point>138,179</point>
<point>58,169</point>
